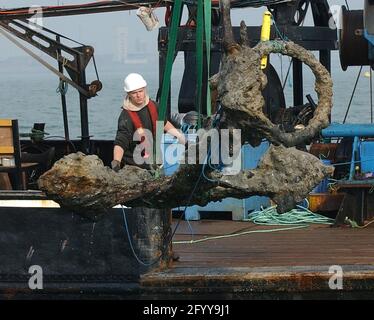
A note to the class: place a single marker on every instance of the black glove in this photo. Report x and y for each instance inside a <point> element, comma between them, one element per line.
<point>116,165</point>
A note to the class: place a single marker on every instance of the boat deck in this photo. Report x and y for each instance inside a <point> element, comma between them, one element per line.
<point>314,245</point>
<point>267,264</point>
<point>248,263</point>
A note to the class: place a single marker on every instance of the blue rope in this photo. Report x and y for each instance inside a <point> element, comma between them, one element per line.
<point>207,161</point>
<point>186,128</point>
<point>146,264</point>
<point>62,87</point>
<point>282,36</point>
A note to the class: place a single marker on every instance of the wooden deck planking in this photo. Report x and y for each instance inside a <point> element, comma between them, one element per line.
<point>266,265</point>
<point>315,245</point>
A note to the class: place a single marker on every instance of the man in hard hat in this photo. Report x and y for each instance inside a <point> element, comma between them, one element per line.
<point>138,112</point>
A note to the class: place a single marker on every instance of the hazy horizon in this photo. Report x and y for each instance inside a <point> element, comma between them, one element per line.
<point>28,89</point>
<point>105,31</point>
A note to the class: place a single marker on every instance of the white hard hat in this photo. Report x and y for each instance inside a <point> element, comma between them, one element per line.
<point>134,81</point>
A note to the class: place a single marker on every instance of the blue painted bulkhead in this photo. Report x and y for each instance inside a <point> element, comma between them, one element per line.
<point>250,158</point>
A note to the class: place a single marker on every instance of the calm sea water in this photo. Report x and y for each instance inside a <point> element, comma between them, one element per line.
<point>28,93</point>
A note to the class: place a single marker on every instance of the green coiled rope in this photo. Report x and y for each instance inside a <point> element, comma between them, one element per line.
<point>298,216</point>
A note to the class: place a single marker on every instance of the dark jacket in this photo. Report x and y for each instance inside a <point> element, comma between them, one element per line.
<point>126,129</point>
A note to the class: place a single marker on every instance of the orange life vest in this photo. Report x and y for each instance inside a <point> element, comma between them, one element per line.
<point>138,124</point>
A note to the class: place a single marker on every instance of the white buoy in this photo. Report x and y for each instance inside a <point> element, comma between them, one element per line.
<point>148,17</point>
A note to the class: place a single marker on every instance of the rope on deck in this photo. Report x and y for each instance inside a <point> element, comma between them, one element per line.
<point>236,235</point>
<point>300,217</point>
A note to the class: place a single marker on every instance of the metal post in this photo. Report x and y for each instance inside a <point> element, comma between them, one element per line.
<point>18,177</point>
<point>325,59</point>
<point>162,64</point>
<point>85,138</point>
<point>298,95</point>
<point>151,237</point>
<point>63,98</point>
<point>161,68</point>
<point>354,150</point>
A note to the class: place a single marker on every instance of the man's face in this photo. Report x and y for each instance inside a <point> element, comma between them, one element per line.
<point>137,97</point>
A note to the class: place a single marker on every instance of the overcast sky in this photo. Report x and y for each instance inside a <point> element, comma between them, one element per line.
<point>103,31</point>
